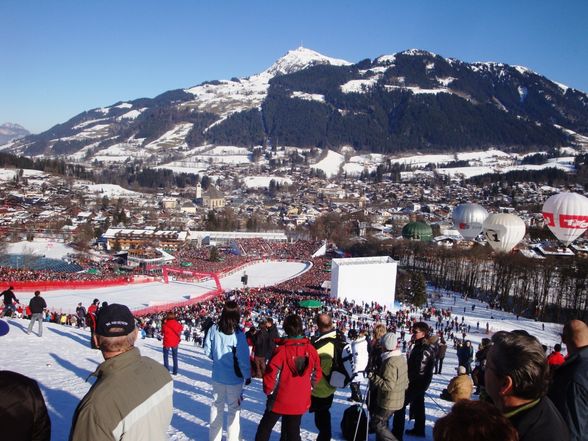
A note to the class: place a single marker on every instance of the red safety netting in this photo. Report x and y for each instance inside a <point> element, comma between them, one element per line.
<point>48,285</point>
<point>199,276</point>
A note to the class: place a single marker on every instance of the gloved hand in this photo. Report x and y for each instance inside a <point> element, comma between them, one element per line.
<point>248,382</point>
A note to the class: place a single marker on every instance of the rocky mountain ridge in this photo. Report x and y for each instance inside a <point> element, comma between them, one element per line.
<point>409,101</point>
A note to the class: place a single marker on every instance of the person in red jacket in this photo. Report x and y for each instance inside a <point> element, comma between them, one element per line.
<point>292,372</point>
<point>91,321</point>
<point>172,332</point>
<point>555,359</point>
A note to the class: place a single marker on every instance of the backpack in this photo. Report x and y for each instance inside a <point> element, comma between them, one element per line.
<point>340,375</point>
<point>354,424</point>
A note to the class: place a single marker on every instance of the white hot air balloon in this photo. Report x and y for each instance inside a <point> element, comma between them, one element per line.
<point>503,231</point>
<point>468,219</point>
<point>566,215</point>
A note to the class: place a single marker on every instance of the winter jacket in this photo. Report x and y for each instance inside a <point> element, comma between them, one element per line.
<point>465,355</point>
<point>555,359</point>
<point>290,375</point>
<point>172,332</point>
<point>460,388</point>
<point>421,363</point>
<point>131,400</point>
<point>569,393</point>
<point>360,352</point>
<point>434,342</point>
<point>441,350</point>
<point>9,297</point>
<point>37,305</point>
<point>23,414</point>
<point>261,343</point>
<point>81,312</point>
<point>273,335</point>
<point>323,389</point>
<point>91,317</point>
<point>539,421</point>
<point>391,381</point>
<point>219,346</point>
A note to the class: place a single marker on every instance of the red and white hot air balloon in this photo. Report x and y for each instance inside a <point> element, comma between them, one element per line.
<point>468,219</point>
<point>566,215</point>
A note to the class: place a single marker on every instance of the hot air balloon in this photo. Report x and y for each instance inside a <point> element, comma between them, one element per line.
<point>566,215</point>
<point>468,219</point>
<point>417,231</point>
<point>503,231</point>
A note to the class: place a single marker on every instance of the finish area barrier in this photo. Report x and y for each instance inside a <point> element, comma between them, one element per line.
<point>49,285</point>
<point>170,306</point>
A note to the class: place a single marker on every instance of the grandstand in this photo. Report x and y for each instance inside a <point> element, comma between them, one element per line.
<point>36,263</point>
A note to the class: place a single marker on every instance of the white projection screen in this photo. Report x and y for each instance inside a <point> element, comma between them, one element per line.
<point>365,279</point>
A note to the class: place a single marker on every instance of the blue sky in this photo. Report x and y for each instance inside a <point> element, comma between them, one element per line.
<point>62,57</point>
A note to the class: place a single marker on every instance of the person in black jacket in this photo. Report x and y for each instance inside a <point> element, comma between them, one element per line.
<point>569,390</point>
<point>37,305</point>
<point>9,301</point>
<point>517,376</point>
<point>273,334</point>
<point>261,347</point>
<point>421,363</point>
<point>23,413</point>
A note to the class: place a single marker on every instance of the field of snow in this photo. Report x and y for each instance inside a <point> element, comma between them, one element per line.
<point>62,360</point>
<point>40,247</point>
<point>175,136</point>
<point>264,181</point>
<point>110,190</point>
<point>330,164</point>
<point>8,174</point>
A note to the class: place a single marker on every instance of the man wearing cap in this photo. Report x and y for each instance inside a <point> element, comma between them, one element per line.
<point>321,398</point>
<point>9,301</point>
<point>37,305</point>
<point>390,382</point>
<point>132,396</point>
<point>460,387</point>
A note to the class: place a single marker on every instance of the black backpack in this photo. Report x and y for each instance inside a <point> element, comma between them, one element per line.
<point>354,424</point>
<point>339,376</point>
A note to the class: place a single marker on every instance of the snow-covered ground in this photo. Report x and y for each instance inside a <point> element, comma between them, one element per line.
<point>330,164</point>
<point>142,295</point>
<point>264,181</point>
<point>8,174</point>
<point>52,249</point>
<point>62,360</point>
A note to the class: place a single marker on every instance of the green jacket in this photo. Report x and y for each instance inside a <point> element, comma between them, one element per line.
<point>391,382</point>
<point>323,389</point>
<point>131,400</point>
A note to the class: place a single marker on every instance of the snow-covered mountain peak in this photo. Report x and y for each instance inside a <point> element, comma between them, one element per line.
<point>10,131</point>
<point>418,52</point>
<point>12,126</point>
<point>299,59</point>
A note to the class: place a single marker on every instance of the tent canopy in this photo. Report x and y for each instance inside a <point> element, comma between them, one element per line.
<point>310,303</point>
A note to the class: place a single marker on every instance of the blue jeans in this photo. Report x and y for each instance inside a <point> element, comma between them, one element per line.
<point>174,352</point>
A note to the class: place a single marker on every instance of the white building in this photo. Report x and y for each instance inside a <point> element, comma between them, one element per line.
<point>365,279</point>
